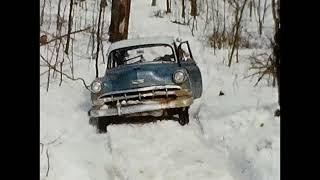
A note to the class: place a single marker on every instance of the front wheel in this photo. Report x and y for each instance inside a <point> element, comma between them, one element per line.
<point>100,123</point>
<point>184,116</point>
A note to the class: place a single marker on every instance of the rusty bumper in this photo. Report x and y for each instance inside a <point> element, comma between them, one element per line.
<point>144,106</point>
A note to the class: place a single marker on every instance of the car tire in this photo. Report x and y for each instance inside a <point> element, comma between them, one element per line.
<point>184,116</point>
<point>100,123</point>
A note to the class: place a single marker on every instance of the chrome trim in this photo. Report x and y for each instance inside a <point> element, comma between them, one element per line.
<point>145,106</point>
<point>139,95</point>
<point>138,81</point>
<point>142,89</point>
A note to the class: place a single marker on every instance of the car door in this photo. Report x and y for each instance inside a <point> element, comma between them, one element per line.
<point>187,61</point>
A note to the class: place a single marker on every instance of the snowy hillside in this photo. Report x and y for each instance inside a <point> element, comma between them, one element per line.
<point>230,137</point>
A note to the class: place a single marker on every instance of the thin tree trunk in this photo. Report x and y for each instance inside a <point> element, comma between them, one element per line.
<point>58,15</point>
<point>260,27</point>
<point>61,66</point>
<point>183,12</point>
<point>69,28</point>
<point>102,32</point>
<point>153,3</point>
<point>264,10</point>
<point>72,70</point>
<point>237,53</point>
<point>236,34</point>
<point>193,8</point>
<point>224,19</point>
<point>250,8</point>
<point>168,6</point>
<point>276,47</point>
<point>49,15</point>
<point>98,39</point>
<point>42,12</point>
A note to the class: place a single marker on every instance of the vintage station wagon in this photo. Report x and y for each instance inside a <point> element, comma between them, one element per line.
<point>155,77</point>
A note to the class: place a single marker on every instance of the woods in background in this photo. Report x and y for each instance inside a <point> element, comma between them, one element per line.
<point>223,24</point>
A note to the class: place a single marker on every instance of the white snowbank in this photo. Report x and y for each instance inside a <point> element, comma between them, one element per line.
<point>230,137</point>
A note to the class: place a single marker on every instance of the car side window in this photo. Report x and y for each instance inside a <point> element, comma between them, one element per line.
<point>184,53</point>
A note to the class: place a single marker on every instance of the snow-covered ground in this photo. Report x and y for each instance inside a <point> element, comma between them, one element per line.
<point>230,137</point>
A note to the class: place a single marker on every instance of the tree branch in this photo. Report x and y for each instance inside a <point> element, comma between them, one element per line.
<point>66,75</point>
<point>65,35</point>
<point>48,161</point>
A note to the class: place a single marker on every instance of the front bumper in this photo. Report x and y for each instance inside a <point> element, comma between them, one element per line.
<point>144,106</point>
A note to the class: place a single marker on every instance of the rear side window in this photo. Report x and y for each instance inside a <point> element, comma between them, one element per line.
<point>184,53</point>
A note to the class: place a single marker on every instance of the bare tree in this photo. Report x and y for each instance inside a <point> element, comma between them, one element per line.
<point>264,65</point>
<point>153,3</point>
<point>238,17</point>
<point>58,15</point>
<point>276,47</point>
<point>224,18</point>
<point>64,74</point>
<point>69,27</point>
<point>168,6</point>
<point>183,14</point>
<point>260,13</point>
<point>250,9</point>
<point>194,11</point>
<point>103,4</point>
<point>47,152</point>
<point>120,13</point>
<point>42,12</point>
<point>65,35</point>
<point>102,30</point>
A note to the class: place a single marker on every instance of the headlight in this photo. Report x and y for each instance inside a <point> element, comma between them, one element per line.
<point>96,86</point>
<point>179,76</point>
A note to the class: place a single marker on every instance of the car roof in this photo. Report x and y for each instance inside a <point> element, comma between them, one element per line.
<point>141,41</point>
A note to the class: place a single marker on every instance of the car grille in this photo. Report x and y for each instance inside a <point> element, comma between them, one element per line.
<point>140,94</point>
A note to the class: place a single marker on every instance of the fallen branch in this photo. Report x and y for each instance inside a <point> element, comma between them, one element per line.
<point>47,152</point>
<point>66,75</point>
<point>181,23</point>
<point>264,64</point>
<point>44,72</point>
<point>48,161</point>
<point>60,37</point>
<point>53,141</point>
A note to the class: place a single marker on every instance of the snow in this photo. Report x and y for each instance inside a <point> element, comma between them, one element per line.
<point>230,137</point>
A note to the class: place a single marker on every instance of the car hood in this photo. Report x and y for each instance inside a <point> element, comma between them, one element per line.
<point>138,76</point>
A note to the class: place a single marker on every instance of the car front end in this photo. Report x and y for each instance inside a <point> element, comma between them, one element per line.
<point>151,94</point>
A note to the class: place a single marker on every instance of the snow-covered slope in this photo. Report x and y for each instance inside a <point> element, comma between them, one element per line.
<point>230,137</point>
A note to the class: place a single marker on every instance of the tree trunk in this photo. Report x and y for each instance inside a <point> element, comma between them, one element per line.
<point>224,18</point>
<point>98,37</point>
<point>194,8</point>
<point>236,34</point>
<point>260,28</point>
<point>183,15</point>
<point>42,12</point>
<point>69,28</point>
<point>276,47</point>
<point>153,3</point>
<point>250,7</point>
<point>119,25</point>
<point>168,6</point>
<point>58,15</point>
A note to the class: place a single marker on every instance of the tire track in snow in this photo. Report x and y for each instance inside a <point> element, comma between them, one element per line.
<point>113,170</point>
<point>164,150</point>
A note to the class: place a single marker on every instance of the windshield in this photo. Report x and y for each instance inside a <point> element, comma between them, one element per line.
<point>141,54</point>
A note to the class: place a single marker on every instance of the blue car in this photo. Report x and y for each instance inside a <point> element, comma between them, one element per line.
<point>146,77</point>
